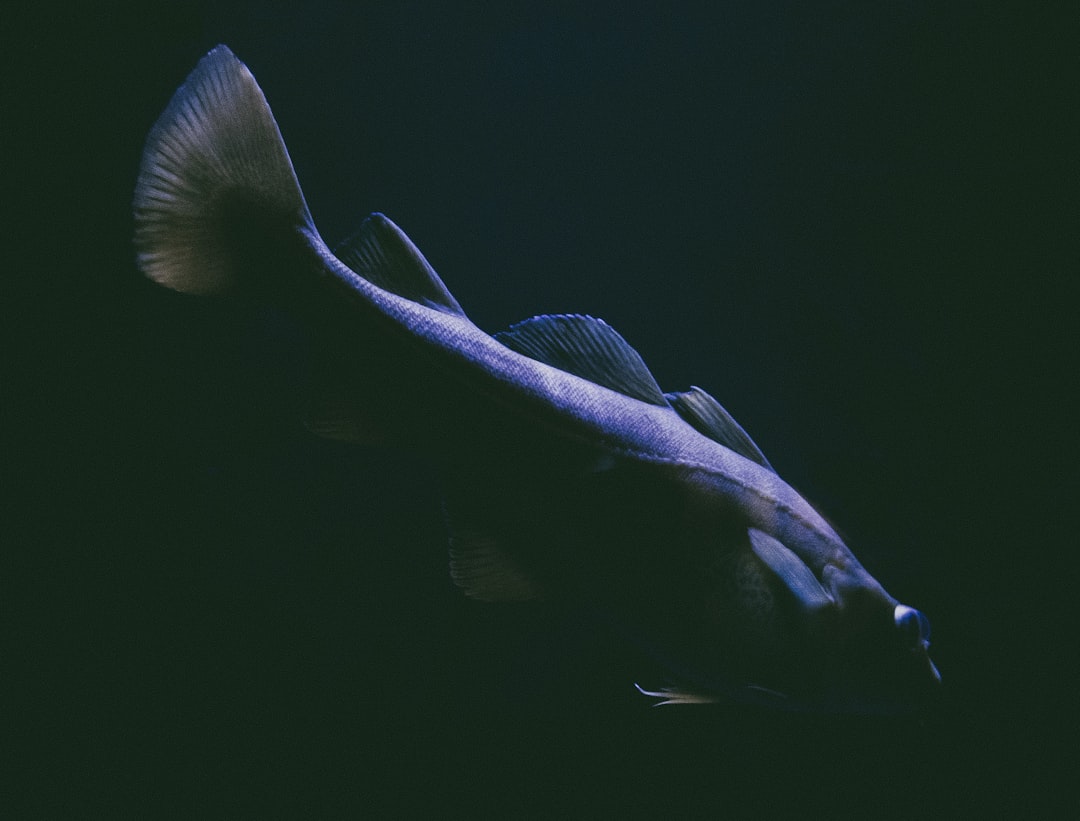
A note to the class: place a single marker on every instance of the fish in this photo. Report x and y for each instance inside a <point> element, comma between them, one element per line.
<point>568,474</point>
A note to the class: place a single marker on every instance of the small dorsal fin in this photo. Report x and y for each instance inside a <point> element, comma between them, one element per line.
<point>709,418</point>
<point>585,347</point>
<point>380,252</point>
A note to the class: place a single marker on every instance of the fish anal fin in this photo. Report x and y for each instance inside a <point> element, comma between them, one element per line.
<point>334,417</point>
<point>710,418</point>
<point>381,253</point>
<point>585,347</point>
<point>484,571</point>
<point>483,563</point>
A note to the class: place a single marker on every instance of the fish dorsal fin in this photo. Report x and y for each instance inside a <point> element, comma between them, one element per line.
<point>708,417</point>
<point>585,347</point>
<point>381,253</point>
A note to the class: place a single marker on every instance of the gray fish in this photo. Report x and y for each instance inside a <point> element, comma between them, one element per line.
<point>569,474</point>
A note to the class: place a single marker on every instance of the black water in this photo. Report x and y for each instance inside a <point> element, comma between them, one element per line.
<point>847,222</point>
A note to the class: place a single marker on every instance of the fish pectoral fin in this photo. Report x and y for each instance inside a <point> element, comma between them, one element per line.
<point>791,571</point>
<point>380,252</point>
<point>586,347</point>
<point>709,418</point>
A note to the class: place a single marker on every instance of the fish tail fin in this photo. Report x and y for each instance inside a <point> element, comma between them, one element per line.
<point>217,195</point>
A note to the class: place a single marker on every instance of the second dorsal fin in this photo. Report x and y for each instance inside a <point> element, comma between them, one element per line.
<point>381,253</point>
<point>709,418</point>
<point>585,347</point>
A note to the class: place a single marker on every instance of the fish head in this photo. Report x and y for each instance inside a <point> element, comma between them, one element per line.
<point>730,613</point>
<point>870,651</point>
<point>876,659</point>
<point>766,636</point>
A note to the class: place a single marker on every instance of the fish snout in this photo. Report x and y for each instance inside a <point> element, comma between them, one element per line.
<point>913,630</point>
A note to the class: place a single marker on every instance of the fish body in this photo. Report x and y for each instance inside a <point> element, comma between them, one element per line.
<point>569,473</point>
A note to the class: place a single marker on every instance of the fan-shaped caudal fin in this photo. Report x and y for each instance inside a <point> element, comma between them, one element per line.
<point>216,192</point>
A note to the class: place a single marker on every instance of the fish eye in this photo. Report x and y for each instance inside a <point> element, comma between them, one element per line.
<point>912,625</point>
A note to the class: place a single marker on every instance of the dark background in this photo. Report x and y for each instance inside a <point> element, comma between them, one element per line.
<point>850,222</point>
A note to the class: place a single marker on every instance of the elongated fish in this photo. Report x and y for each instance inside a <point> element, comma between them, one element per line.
<point>569,474</point>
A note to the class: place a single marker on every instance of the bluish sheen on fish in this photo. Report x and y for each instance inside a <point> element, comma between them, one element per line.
<point>569,474</point>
